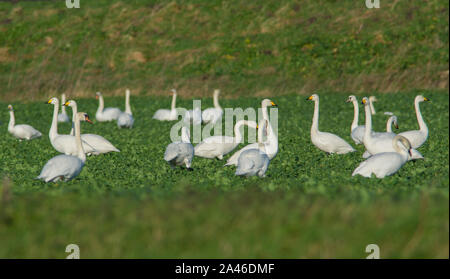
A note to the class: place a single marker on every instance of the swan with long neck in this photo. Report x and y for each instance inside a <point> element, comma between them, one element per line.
<point>212,115</point>
<point>327,142</point>
<point>99,144</point>
<point>391,120</point>
<point>372,99</point>
<point>105,114</point>
<point>181,152</point>
<point>67,167</point>
<point>168,114</point>
<point>270,145</point>
<point>22,131</point>
<point>219,146</point>
<point>63,117</point>
<point>64,143</point>
<point>386,163</point>
<point>418,137</point>
<point>356,131</point>
<point>126,119</point>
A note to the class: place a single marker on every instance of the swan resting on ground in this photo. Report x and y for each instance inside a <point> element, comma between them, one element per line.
<point>22,131</point>
<point>66,167</point>
<point>418,137</point>
<point>327,142</point>
<point>252,162</point>
<point>219,146</point>
<point>63,117</point>
<point>105,114</point>
<point>98,143</point>
<point>126,119</point>
<point>181,152</point>
<point>212,115</point>
<point>386,163</point>
<point>270,146</point>
<point>168,114</point>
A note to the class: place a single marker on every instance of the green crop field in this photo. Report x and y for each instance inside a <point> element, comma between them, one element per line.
<point>133,205</point>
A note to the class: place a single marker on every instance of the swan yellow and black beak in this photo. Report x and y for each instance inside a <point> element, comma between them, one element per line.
<point>10,108</point>
<point>273,104</point>
<point>426,99</point>
<point>49,101</point>
<point>66,104</point>
<point>363,101</point>
<point>87,119</point>
<point>309,98</point>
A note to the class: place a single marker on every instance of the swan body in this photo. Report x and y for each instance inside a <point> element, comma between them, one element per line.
<point>252,162</point>
<point>180,153</point>
<point>327,142</point>
<point>193,116</point>
<point>22,131</point>
<point>95,144</point>
<point>418,137</point>
<point>66,167</point>
<point>270,146</point>
<point>218,146</point>
<point>212,115</point>
<point>63,117</point>
<point>386,163</point>
<point>168,114</point>
<point>105,114</point>
<point>126,119</point>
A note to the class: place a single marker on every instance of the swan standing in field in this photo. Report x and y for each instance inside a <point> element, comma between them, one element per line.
<point>64,143</point>
<point>99,144</point>
<point>357,131</point>
<point>105,114</point>
<point>218,146</point>
<point>63,117</point>
<point>22,131</point>
<point>270,146</point>
<point>372,99</point>
<point>181,152</point>
<point>418,137</point>
<point>212,115</point>
<point>386,163</point>
<point>168,114</point>
<point>66,167</point>
<point>252,162</point>
<point>327,142</point>
<point>126,119</point>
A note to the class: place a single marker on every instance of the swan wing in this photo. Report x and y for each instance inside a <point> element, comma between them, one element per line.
<point>59,166</point>
<point>125,120</point>
<point>233,160</point>
<point>98,143</point>
<point>416,137</point>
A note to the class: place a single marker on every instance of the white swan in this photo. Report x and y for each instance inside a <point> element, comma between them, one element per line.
<point>386,163</point>
<point>63,117</point>
<point>252,162</point>
<point>22,131</point>
<point>105,114</point>
<point>327,142</point>
<point>372,99</point>
<point>193,116</point>
<point>66,167</point>
<point>212,115</point>
<point>182,152</point>
<point>126,119</point>
<point>64,143</point>
<point>391,120</point>
<point>379,142</point>
<point>357,131</point>
<point>168,114</point>
<point>98,143</point>
<point>418,137</point>
<point>218,146</point>
<point>270,146</point>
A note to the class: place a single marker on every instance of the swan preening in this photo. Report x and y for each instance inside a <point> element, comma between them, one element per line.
<point>212,115</point>
<point>22,131</point>
<point>327,142</point>
<point>66,167</point>
<point>218,146</point>
<point>105,114</point>
<point>181,152</point>
<point>252,162</point>
<point>168,114</point>
<point>418,137</point>
<point>125,119</point>
<point>386,163</point>
<point>63,117</point>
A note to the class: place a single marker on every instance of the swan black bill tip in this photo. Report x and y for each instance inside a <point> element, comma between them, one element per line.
<point>426,99</point>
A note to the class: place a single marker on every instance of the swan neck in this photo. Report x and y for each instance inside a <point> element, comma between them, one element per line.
<point>368,129</point>
<point>12,120</point>
<point>216,101</point>
<point>127,103</point>
<point>237,131</point>
<point>54,127</point>
<point>372,108</point>
<point>101,104</point>
<point>74,114</point>
<point>63,101</point>
<point>80,150</point>
<point>174,99</point>
<point>355,115</point>
<point>422,125</point>
<point>315,122</point>
<point>389,124</point>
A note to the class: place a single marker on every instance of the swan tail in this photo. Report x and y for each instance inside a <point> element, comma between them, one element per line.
<point>362,171</point>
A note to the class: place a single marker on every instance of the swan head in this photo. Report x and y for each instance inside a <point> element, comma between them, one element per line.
<point>421,98</point>
<point>70,103</point>
<point>351,99</point>
<point>84,117</point>
<point>268,103</point>
<point>127,91</point>
<point>53,101</point>
<point>394,120</point>
<point>174,92</point>
<point>98,95</point>
<point>404,142</point>
<point>10,108</point>
<point>216,92</point>
<point>313,97</point>
<point>373,99</point>
<point>365,101</point>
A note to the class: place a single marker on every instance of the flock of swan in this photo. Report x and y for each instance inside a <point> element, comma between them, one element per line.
<point>386,152</point>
